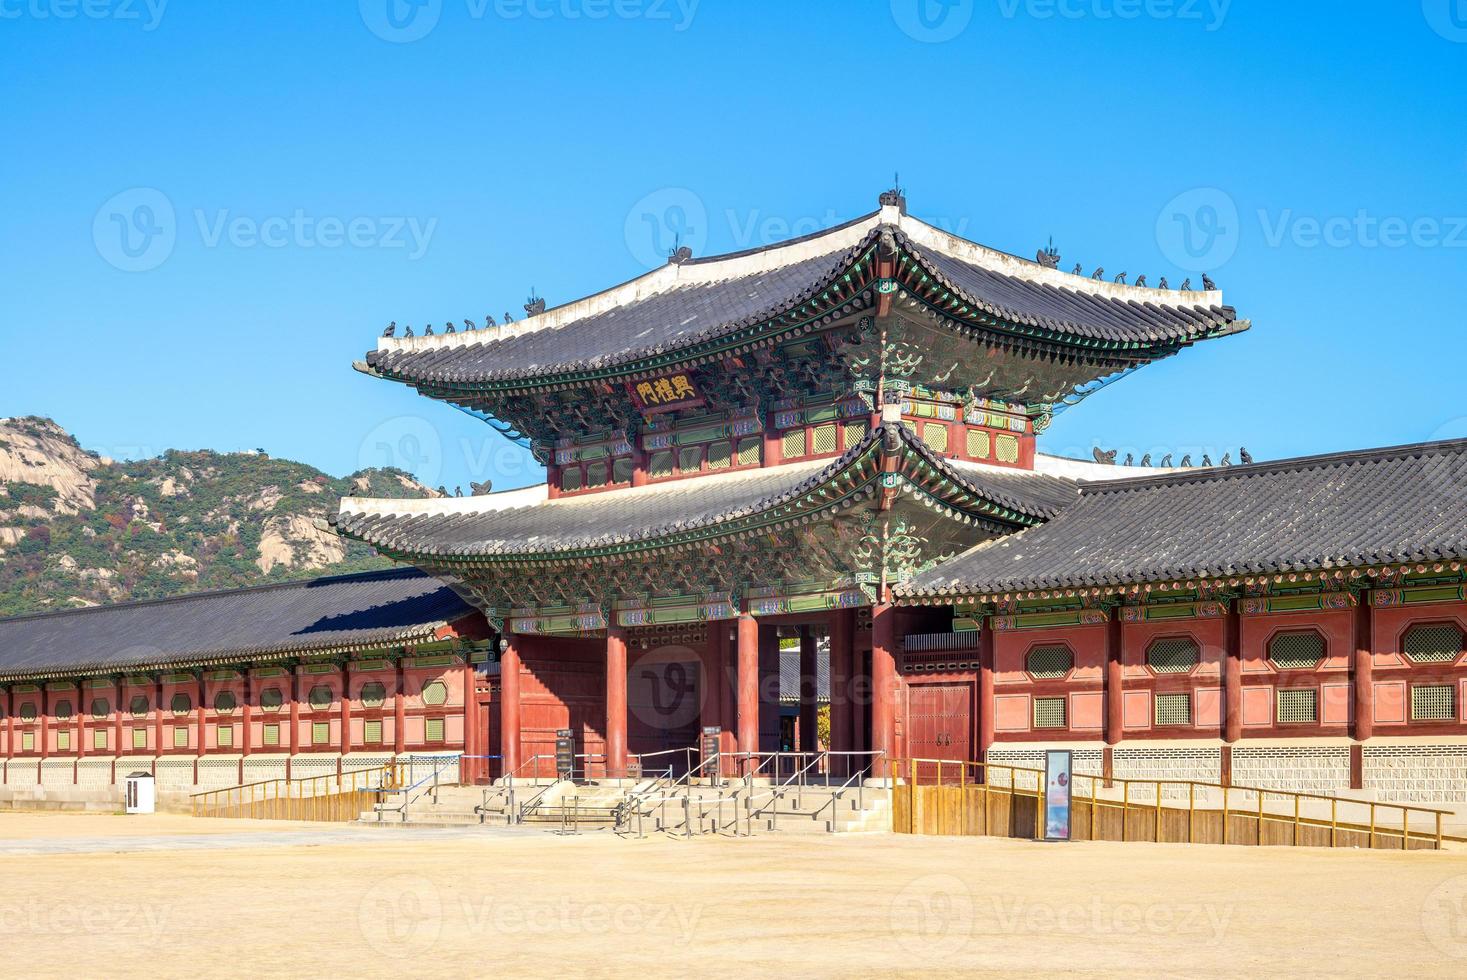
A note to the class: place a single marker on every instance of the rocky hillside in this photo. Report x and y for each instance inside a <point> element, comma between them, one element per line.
<point>79,529</point>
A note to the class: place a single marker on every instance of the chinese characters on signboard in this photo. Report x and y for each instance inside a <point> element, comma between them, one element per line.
<point>665,394</point>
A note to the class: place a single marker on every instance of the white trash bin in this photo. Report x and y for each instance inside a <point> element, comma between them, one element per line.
<point>142,795</point>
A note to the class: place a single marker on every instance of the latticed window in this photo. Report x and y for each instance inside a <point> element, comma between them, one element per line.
<point>1296,651</point>
<point>180,704</point>
<point>433,730</point>
<point>935,435</point>
<point>1048,663</point>
<point>1174,709</point>
<point>27,741</point>
<point>320,697</point>
<point>180,736</point>
<point>372,731</point>
<point>621,470</point>
<point>138,707</point>
<point>978,445</point>
<point>660,465</point>
<point>63,709</point>
<point>690,459</point>
<point>224,702</point>
<point>792,444</point>
<point>373,694</point>
<point>1006,448</point>
<point>270,734</point>
<point>596,474</point>
<point>1049,712</point>
<point>749,451</point>
<point>99,738</point>
<point>28,711</point>
<point>271,699</point>
<point>570,478</point>
<point>1298,705</point>
<point>224,736</point>
<point>101,708</point>
<point>1437,644</point>
<point>139,738</point>
<point>720,456</point>
<point>1173,655</point>
<point>63,740</point>
<point>824,438</point>
<point>1434,702</point>
<point>854,431</point>
<point>320,732</point>
<point>435,693</point>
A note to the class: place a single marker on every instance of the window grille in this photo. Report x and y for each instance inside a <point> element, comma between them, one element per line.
<point>661,465</point>
<point>435,693</point>
<point>139,738</point>
<point>621,470</point>
<point>596,474</point>
<point>63,740</point>
<point>824,437</point>
<point>224,736</point>
<point>570,478</point>
<point>935,435</point>
<point>1437,644</point>
<point>224,702</point>
<point>373,694</point>
<point>433,730</point>
<point>1006,448</point>
<point>139,706</point>
<point>27,741</point>
<point>1174,709</point>
<point>320,732</point>
<point>1048,663</point>
<point>28,711</point>
<point>792,444</point>
<point>720,456</point>
<point>1298,705</point>
<point>372,731</point>
<point>1049,712</point>
<point>99,738</point>
<point>180,736</point>
<point>978,447</point>
<point>1296,651</point>
<point>854,431</point>
<point>1434,702</point>
<point>1173,655</point>
<point>690,459</point>
<point>320,697</point>
<point>63,709</point>
<point>101,708</point>
<point>181,704</point>
<point>271,699</point>
<point>271,735</point>
<point>750,451</point>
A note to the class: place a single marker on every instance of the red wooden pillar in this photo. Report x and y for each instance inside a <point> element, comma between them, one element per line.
<point>399,711</point>
<point>295,710</point>
<point>199,719</point>
<point>986,726</point>
<point>509,704</point>
<point>119,689</point>
<point>809,692</point>
<point>1362,678</point>
<point>842,660</point>
<point>710,707</point>
<point>639,461</point>
<point>773,451</point>
<point>9,721</point>
<point>748,683</point>
<point>616,701</point>
<point>1232,675</point>
<point>470,767</point>
<point>883,684</point>
<point>247,712</point>
<point>346,709</point>
<point>82,710</point>
<point>158,716</point>
<point>727,693</point>
<point>45,717</point>
<point>1114,674</point>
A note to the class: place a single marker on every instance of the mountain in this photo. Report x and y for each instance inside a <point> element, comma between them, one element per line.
<point>80,529</point>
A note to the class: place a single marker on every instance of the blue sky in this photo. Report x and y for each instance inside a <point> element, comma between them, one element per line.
<point>329,167</point>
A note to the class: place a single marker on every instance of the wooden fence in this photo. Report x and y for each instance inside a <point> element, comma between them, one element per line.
<point>329,798</point>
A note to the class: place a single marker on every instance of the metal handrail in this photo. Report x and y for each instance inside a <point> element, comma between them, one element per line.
<point>409,796</point>
<point>289,798</point>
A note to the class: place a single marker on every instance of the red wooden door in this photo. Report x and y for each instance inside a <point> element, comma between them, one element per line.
<point>939,723</point>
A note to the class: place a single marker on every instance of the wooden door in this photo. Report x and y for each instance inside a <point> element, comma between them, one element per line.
<point>939,725</point>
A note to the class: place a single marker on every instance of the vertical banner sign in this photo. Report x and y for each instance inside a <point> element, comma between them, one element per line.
<point>1057,787</point>
<point>565,754</point>
<point>712,741</point>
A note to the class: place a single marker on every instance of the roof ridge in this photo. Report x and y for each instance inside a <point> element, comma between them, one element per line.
<point>381,573</point>
<point>1287,464</point>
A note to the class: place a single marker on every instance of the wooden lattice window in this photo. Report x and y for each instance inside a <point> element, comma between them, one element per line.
<point>373,694</point>
<point>690,459</point>
<point>1300,650</point>
<point>935,435</point>
<point>854,431</point>
<point>660,465</point>
<point>1434,702</point>
<point>139,738</point>
<point>372,731</point>
<point>435,693</point>
<point>570,478</point>
<point>433,730</point>
<point>720,456</point>
<point>595,474</point>
<point>180,704</point>
<point>1049,663</point>
<point>180,736</point>
<point>62,709</point>
<point>224,736</point>
<point>27,741</point>
<point>1436,644</point>
<point>1298,705</point>
<point>270,734</point>
<point>1174,709</point>
<point>1049,712</point>
<point>101,708</point>
<point>1006,448</point>
<point>749,451</point>
<point>978,445</point>
<point>224,702</point>
<point>320,732</point>
<point>63,740</point>
<point>1173,655</point>
<point>320,697</point>
<point>271,699</point>
<point>792,444</point>
<point>824,439</point>
<point>99,738</point>
<point>28,711</point>
<point>622,469</point>
<point>138,706</point>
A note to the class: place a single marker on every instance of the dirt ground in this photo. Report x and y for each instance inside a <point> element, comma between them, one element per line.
<point>173,896</point>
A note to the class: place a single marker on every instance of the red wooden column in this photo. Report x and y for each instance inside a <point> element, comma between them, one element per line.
<point>1363,669</point>
<point>639,461</point>
<point>158,716</point>
<point>45,718</point>
<point>9,721</point>
<point>986,726</point>
<point>83,709</point>
<point>748,683</point>
<point>883,684</point>
<point>199,718</point>
<point>1114,674</point>
<point>1232,675</point>
<point>616,701</point>
<point>470,767</point>
<point>246,712</point>
<point>809,692</point>
<point>399,711</point>
<point>842,664</point>
<point>295,711</point>
<point>710,705</point>
<point>773,450</point>
<point>117,747</point>
<point>509,704</point>
<point>346,709</point>
<point>728,693</point>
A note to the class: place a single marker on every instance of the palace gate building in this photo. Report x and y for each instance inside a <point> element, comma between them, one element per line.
<point>834,439</point>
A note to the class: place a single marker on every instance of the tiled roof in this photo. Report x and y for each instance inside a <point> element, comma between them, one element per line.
<point>1373,507</point>
<point>629,516</point>
<point>341,613</point>
<point>789,673</point>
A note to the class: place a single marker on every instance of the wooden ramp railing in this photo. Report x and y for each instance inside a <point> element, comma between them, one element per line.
<point>329,798</point>
<point>932,796</point>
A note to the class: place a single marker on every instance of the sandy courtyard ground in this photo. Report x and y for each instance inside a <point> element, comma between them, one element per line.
<point>172,896</point>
